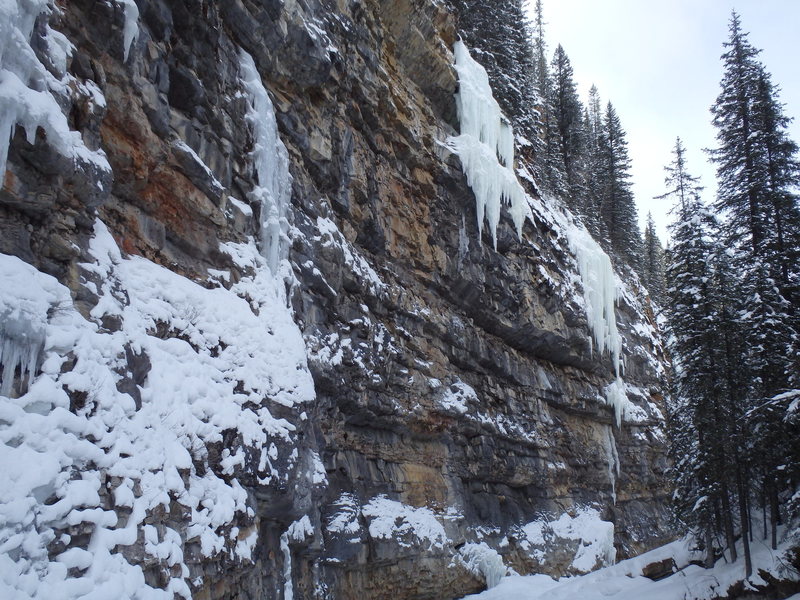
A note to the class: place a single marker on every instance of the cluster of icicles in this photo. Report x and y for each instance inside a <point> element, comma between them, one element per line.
<point>486,149</point>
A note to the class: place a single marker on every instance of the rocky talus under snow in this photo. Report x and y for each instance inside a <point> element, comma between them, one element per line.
<point>282,316</point>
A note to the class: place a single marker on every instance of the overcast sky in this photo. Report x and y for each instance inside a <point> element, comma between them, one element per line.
<point>658,62</point>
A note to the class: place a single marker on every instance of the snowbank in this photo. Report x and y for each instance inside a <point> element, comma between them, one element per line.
<point>624,581</point>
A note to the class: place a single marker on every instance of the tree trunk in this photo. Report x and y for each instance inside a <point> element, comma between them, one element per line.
<point>744,517</point>
<point>727,520</point>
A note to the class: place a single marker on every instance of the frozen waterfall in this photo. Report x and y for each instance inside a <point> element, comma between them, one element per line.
<point>271,161</point>
<point>486,147</point>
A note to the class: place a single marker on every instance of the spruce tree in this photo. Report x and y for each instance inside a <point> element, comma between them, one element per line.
<point>653,263</point>
<point>777,160</point>
<point>568,120</point>
<point>692,308</point>
<point>741,185</point>
<point>593,128</point>
<point>617,206</point>
<point>682,187</point>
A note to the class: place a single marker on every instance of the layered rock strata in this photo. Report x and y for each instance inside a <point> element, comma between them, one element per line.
<point>448,410</point>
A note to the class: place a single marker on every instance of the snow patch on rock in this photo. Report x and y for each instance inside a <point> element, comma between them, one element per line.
<point>407,525</point>
<point>78,453</point>
<point>594,537</point>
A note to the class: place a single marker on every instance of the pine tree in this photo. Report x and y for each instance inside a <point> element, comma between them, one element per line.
<point>777,160</point>
<point>682,187</point>
<point>593,128</point>
<point>617,206</point>
<point>741,186</point>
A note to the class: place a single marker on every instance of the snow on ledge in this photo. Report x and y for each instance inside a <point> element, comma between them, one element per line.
<point>27,88</point>
<point>595,539</point>
<point>393,520</point>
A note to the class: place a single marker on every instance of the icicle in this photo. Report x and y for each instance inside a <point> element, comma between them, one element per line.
<point>271,161</point>
<point>599,292</point>
<point>19,352</point>
<point>617,397</point>
<point>24,95</point>
<point>613,462</point>
<point>131,31</point>
<point>486,148</point>
<point>23,321</point>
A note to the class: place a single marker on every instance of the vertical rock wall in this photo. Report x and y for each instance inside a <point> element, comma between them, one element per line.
<point>457,397</point>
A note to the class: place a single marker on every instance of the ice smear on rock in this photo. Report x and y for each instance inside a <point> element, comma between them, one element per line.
<point>486,139</point>
<point>25,87</point>
<point>271,161</point>
<point>288,588</point>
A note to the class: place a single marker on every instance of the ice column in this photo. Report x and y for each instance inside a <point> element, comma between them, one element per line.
<point>288,587</point>
<point>271,161</point>
<point>486,147</point>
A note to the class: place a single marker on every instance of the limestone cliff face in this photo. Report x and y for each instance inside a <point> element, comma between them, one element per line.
<point>453,382</point>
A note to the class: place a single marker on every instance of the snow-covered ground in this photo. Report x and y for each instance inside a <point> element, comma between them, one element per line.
<point>624,581</point>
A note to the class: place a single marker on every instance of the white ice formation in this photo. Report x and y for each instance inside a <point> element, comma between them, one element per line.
<point>485,562</point>
<point>28,89</point>
<point>271,161</point>
<point>599,291</point>
<point>131,29</point>
<point>486,147</point>
<point>26,298</point>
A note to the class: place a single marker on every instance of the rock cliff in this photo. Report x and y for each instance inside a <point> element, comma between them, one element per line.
<point>388,407</point>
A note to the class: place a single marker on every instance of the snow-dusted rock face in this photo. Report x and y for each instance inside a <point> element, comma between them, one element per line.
<point>252,343</point>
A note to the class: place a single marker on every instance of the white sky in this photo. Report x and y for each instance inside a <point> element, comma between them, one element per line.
<point>658,62</point>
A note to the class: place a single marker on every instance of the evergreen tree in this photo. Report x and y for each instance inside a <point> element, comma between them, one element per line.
<point>653,263</point>
<point>682,187</point>
<point>593,128</point>
<point>568,120</point>
<point>741,186</point>
<point>617,206</point>
<point>699,448</point>
<point>777,160</point>
<point>499,37</point>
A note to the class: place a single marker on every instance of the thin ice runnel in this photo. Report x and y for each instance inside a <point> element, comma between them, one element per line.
<point>271,161</point>
<point>288,587</point>
<point>486,141</point>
